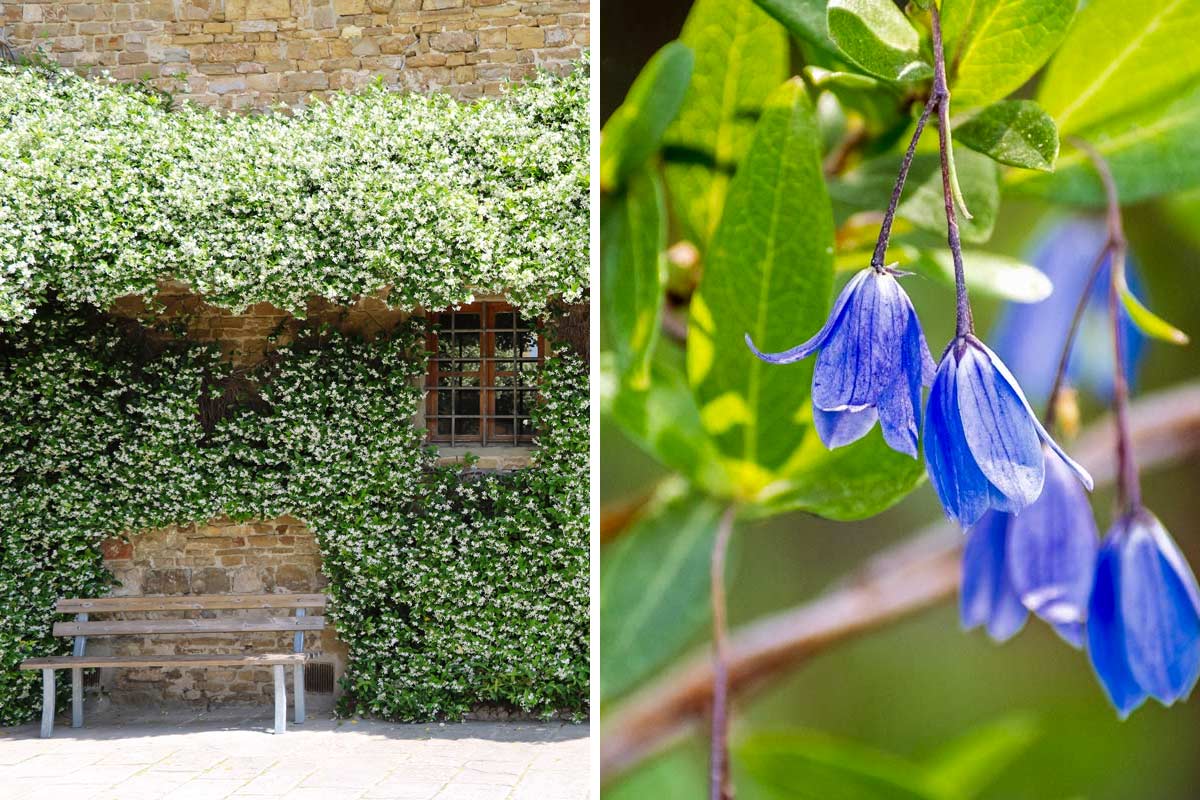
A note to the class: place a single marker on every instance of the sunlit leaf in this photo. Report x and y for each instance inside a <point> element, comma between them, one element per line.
<point>1014,132</point>
<point>654,586</point>
<point>1148,322</point>
<point>804,19</point>
<point>965,767</point>
<point>991,274</point>
<point>768,274</point>
<point>875,35</point>
<point>741,55</point>
<point>994,46</point>
<point>634,131</point>
<point>1151,151</point>
<point>633,235</point>
<point>1120,56</point>
<point>811,766</point>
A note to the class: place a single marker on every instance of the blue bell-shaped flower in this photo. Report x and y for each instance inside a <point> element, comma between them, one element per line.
<point>983,443</point>
<point>871,366</point>
<point>1143,627</point>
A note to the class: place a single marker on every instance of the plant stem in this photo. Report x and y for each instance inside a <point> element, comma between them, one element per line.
<point>964,324</point>
<point>885,229</point>
<point>1129,490</point>
<point>720,787</point>
<point>1065,357</point>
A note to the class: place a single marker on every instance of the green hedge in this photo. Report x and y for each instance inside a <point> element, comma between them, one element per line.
<point>450,591</point>
<point>105,190</point>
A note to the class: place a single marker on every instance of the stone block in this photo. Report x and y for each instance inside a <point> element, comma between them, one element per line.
<point>453,41</point>
<point>257,9</point>
<point>305,82</point>
<point>523,37</point>
<point>350,7</point>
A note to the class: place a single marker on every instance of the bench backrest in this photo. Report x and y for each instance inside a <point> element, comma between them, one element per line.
<point>84,607</point>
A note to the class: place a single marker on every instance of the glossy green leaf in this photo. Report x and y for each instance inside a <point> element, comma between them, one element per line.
<point>1148,322</point>
<point>870,184</point>
<point>994,46</point>
<point>875,35</point>
<point>662,418</point>
<point>633,272</point>
<point>810,766</point>
<point>965,767</point>
<point>1152,151</point>
<point>1120,56</point>
<point>1014,132</point>
<point>804,19</point>
<point>741,56</point>
<point>990,274</point>
<point>768,274</point>
<point>848,483</point>
<point>654,586</point>
<point>634,132</point>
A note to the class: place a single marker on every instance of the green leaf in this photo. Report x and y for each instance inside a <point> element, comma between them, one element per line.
<point>870,184</point>
<point>741,56</point>
<point>1014,132</point>
<point>768,274</point>
<point>1152,151</point>
<point>654,593</point>
<point>804,19</point>
<point>1148,322</point>
<point>991,274</point>
<point>662,418</point>
<point>969,764</point>
<point>634,132</point>
<point>810,766</point>
<point>1120,56</point>
<point>876,36</point>
<point>994,46</point>
<point>848,483</point>
<point>633,272</point>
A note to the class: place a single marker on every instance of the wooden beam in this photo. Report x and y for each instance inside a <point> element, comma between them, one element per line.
<point>199,602</point>
<point>51,663</point>
<point>47,703</point>
<point>124,627</point>
<point>280,700</point>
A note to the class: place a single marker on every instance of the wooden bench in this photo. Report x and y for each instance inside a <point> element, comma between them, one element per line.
<point>83,627</point>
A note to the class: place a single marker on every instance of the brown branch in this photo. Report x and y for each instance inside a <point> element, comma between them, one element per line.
<point>919,573</point>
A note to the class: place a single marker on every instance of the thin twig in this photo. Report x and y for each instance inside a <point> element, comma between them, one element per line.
<point>720,787</point>
<point>885,229</point>
<point>921,572</point>
<point>1064,358</point>
<point>964,324</point>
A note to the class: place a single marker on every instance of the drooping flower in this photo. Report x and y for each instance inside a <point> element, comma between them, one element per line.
<point>1029,336</point>
<point>983,444</point>
<point>871,366</point>
<point>1041,560</point>
<point>1143,628</point>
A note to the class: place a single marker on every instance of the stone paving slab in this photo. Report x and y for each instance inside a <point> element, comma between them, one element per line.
<point>119,755</point>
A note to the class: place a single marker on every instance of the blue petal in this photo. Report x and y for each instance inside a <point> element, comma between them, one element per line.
<point>861,357</point>
<point>839,428</point>
<point>963,490</point>
<point>898,405</point>
<point>1162,621</point>
<point>1079,471</point>
<point>1052,549</point>
<point>1106,633</point>
<point>999,428</point>
<point>988,597</point>
<point>806,349</point>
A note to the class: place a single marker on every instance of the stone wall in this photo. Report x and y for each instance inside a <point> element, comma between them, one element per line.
<point>220,557</point>
<point>253,53</point>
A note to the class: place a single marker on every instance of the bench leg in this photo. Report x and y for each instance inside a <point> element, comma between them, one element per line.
<point>280,700</point>
<point>76,697</point>
<point>298,691</point>
<point>47,703</point>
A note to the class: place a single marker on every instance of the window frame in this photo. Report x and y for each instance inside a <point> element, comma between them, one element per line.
<point>487,374</point>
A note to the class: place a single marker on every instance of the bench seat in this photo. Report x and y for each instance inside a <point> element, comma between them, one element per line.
<point>214,660</point>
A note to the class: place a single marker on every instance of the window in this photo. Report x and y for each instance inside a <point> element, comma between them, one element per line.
<point>482,379</point>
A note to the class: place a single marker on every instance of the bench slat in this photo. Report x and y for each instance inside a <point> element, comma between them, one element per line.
<point>214,660</point>
<point>125,627</point>
<point>198,602</point>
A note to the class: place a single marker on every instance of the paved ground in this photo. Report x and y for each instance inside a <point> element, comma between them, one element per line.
<point>233,755</point>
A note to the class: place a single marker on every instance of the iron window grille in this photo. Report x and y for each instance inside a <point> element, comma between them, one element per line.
<point>482,380</point>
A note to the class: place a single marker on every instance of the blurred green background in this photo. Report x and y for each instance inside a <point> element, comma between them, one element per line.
<point>915,686</point>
